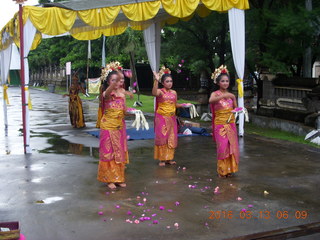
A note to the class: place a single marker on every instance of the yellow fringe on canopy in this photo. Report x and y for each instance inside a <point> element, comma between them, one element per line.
<point>180,8</point>
<point>51,21</point>
<point>141,11</point>
<point>99,17</point>
<point>225,5</point>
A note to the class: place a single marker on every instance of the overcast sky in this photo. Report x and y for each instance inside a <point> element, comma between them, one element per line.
<point>9,8</point>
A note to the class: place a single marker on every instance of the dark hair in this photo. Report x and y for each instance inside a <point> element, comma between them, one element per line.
<point>220,76</point>
<point>106,82</point>
<point>164,76</point>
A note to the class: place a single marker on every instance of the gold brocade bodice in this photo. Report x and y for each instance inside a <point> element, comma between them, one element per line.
<point>166,104</point>
<point>113,115</point>
<point>166,109</point>
<point>222,116</point>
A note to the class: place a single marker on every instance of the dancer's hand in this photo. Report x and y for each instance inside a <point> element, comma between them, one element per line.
<point>156,76</point>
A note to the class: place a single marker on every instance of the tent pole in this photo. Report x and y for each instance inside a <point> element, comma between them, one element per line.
<point>23,94</point>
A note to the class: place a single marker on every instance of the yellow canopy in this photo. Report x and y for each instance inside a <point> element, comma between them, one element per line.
<point>91,23</point>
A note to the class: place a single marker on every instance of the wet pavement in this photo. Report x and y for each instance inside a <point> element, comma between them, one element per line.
<point>54,194</point>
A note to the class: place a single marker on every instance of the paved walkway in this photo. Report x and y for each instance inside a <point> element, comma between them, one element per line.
<point>54,193</point>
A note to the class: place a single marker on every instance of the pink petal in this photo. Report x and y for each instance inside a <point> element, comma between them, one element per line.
<point>129,213</point>
<point>250,206</point>
<point>170,210</point>
<point>239,199</point>
<point>177,203</point>
<point>155,221</point>
<point>100,213</point>
<point>161,207</point>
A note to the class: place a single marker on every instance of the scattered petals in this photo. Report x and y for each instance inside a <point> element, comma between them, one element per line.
<point>184,168</point>
<point>144,199</point>
<point>177,203</point>
<point>161,207</point>
<point>100,213</point>
<point>216,190</point>
<point>155,221</point>
<point>176,225</point>
<point>153,215</point>
<point>136,221</point>
<point>250,206</point>
<point>243,210</point>
<point>168,227</point>
<point>118,206</point>
<point>170,210</point>
<point>129,213</point>
<point>140,204</point>
<point>239,198</point>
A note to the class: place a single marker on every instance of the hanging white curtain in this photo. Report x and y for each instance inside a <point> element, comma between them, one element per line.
<point>103,57</point>
<point>15,58</point>
<point>237,35</point>
<point>29,32</point>
<point>152,40</point>
<point>5,59</point>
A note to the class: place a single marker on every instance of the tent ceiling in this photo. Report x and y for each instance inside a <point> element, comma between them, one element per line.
<point>78,5</point>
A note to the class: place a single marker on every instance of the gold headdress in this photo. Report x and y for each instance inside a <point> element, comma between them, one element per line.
<point>218,71</point>
<point>163,71</point>
<point>112,66</point>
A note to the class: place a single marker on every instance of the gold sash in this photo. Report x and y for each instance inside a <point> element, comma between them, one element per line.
<point>112,119</point>
<point>167,109</point>
<point>222,116</point>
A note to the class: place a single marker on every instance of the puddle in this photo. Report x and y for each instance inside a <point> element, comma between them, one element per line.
<point>36,180</point>
<point>62,146</point>
<point>50,200</point>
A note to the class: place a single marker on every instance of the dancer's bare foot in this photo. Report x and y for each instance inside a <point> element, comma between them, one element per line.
<point>171,162</point>
<point>222,176</point>
<point>162,164</point>
<point>112,186</point>
<point>123,185</point>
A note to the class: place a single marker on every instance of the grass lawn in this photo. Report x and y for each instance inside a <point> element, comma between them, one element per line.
<point>276,133</point>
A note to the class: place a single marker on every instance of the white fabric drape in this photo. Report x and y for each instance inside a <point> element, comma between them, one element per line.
<point>15,58</point>
<point>237,36</point>
<point>152,40</point>
<point>29,32</point>
<point>5,59</point>
<point>103,57</point>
